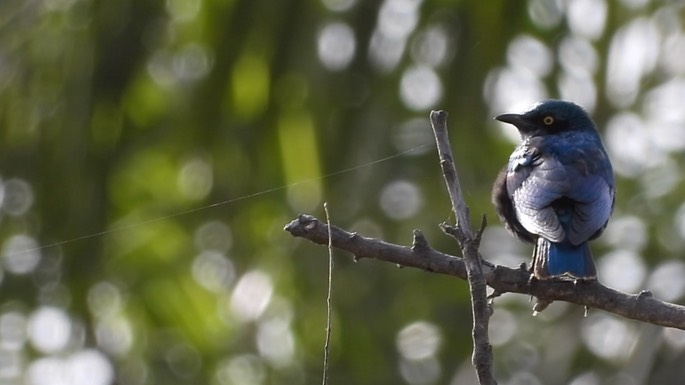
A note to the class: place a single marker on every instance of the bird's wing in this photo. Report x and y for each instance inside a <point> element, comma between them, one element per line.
<point>505,208</point>
<point>534,185</point>
<point>592,193</point>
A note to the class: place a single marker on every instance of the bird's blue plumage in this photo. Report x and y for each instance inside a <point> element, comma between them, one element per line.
<point>557,191</point>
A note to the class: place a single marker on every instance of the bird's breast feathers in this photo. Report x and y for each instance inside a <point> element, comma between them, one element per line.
<point>525,155</point>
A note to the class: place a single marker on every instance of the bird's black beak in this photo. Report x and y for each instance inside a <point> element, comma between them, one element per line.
<point>523,125</point>
<point>514,119</point>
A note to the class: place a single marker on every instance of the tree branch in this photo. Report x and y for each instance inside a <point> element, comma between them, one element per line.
<point>480,309</point>
<point>641,307</point>
<point>449,172</point>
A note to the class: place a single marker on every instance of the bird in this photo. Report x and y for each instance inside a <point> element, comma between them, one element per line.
<point>557,191</point>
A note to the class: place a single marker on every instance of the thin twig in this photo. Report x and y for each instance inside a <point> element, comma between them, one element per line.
<point>327,348</point>
<point>482,350</point>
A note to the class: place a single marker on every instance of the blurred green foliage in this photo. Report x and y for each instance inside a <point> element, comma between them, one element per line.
<point>151,153</point>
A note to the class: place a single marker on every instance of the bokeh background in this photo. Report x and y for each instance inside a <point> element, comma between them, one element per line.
<point>152,151</point>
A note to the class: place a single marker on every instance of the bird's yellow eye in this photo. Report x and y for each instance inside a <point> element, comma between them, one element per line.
<point>548,120</point>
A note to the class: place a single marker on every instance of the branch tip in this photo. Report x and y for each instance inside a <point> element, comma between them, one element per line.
<point>299,226</point>
<point>438,117</point>
<point>540,305</point>
<point>494,294</point>
<point>419,241</point>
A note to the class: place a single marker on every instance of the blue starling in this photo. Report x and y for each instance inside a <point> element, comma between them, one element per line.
<point>557,191</point>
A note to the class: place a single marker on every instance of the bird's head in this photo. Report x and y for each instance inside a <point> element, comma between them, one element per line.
<point>550,117</point>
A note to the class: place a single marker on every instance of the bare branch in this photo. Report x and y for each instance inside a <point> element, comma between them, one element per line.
<point>449,171</point>
<point>480,308</point>
<point>641,307</point>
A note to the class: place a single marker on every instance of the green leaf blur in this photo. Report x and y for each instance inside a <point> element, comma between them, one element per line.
<point>152,151</point>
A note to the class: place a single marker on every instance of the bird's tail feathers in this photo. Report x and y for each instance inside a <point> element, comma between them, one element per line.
<point>563,260</point>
